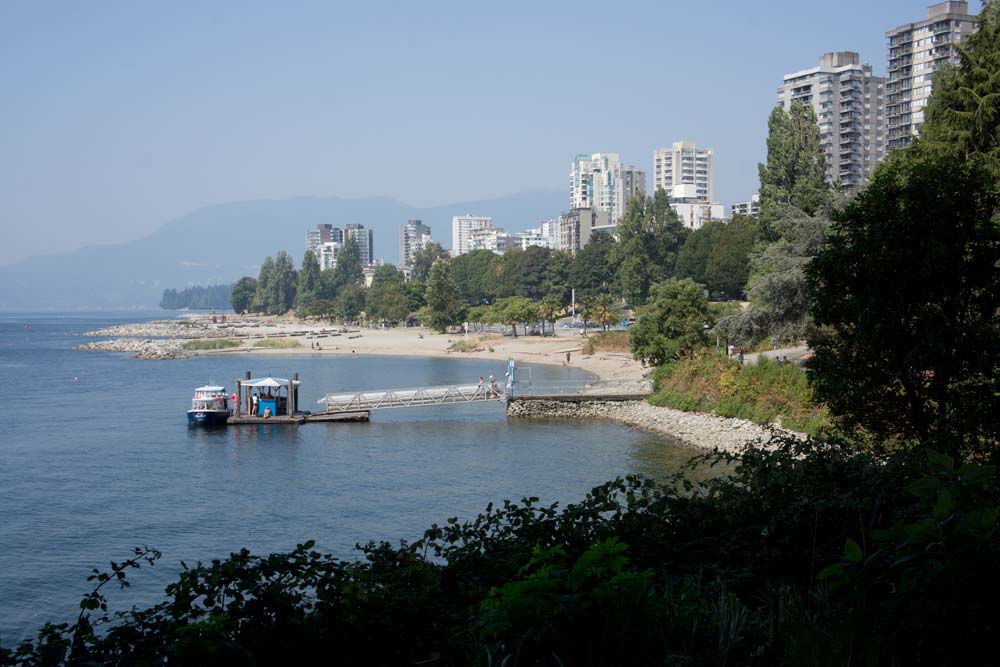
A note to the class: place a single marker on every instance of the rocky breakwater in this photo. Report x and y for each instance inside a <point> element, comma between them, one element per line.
<point>154,349</point>
<point>692,428</point>
<point>167,329</point>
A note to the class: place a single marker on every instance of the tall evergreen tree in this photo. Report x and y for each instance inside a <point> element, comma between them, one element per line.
<point>262,295</point>
<point>650,235</point>
<point>592,271</point>
<point>305,292</point>
<point>727,266</point>
<point>795,173</point>
<point>444,303</point>
<point>348,270</point>
<point>424,258</point>
<point>693,256</point>
<point>963,116</point>
<point>281,292</point>
<point>795,213</point>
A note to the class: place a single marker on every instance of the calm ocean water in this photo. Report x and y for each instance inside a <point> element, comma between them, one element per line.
<point>91,467</point>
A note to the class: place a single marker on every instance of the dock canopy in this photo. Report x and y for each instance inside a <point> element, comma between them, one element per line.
<point>269,383</point>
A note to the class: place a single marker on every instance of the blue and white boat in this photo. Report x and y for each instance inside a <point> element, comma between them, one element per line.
<point>209,407</point>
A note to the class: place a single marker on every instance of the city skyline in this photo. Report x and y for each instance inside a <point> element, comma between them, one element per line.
<point>120,119</point>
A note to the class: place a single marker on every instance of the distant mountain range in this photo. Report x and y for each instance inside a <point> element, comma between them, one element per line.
<point>219,244</point>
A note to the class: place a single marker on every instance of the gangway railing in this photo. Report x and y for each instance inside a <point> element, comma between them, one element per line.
<point>410,398</point>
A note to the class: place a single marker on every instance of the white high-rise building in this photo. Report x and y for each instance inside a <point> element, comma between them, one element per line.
<point>600,181</point>
<point>693,210</point>
<point>577,226</point>
<point>916,52</point>
<point>494,240</point>
<point>413,237</point>
<point>365,240</point>
<point>462,227</point>
<point>849,102</point>
<point>532,237</point>
<point>323,233</point>
<point>327,254</point>
<point>685,164</point>
<point>751,208</point>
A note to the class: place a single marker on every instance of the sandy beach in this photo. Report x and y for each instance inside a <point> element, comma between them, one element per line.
<point>164,339</point>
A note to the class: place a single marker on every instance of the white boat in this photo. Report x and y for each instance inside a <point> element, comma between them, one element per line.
<point>209,406</point>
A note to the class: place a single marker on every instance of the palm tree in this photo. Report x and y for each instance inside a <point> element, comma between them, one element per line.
<point>549,309</point>
<point>605,310</point>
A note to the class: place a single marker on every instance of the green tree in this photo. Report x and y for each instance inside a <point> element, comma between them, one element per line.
<point>963,116</point>
<point>549,309</point>
<point>262,295</point>
<point>414,295</point>
<point>348,270</point>
<point>693,256</point>
<point>558,276</point>
<point>795,213</point>
<point>604,310</point>
<point>385,299</point>
<point>592,270</point>
<point>795,173</point>
<point>906,294</point>
<point>475,275</point>
<point>514,310</point>
<point>309,277</point>
<point>672,324</point>
<point>350,302</point>
<point>387,273</point>
<point>281,288</point>
<point>728,263</point>
<point>523,272</point>
<point>243,293</point>
<point>444,303</point>
<point>424,258</point>
<point>650,235</point>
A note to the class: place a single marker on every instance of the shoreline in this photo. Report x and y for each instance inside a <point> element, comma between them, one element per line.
<point>613,372</point>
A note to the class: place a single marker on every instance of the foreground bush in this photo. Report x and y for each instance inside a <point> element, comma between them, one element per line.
<point>805,554</point>
<point>762,392</point>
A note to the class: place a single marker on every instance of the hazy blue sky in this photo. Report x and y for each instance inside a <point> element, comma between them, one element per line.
<point>116,117</point>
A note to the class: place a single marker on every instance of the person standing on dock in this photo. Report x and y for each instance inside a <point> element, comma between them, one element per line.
<point>253,405</point>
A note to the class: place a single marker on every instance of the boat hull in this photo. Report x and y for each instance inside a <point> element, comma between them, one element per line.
<point>207,417</point>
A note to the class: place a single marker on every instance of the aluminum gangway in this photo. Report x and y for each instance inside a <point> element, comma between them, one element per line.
<point>410,398</point>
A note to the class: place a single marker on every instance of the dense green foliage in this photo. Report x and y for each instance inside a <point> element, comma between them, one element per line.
<point>763,392</point>
<point>424,258</point>
<point>794,216</point>
<point>650,235</point>
<point>307,289</point>
<point>243,293</point>
<point>211,297</point>
<point>672,324</point>
<point>801,554</point>
<point>907,295</point>
<point>444,306</point>
<point>963,116</point>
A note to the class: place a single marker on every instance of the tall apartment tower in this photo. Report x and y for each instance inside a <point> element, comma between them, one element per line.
<point>600,181</point>
<point>916,51</point>
<point>462,227</point>
<point>413,236</point>
<point>365,240</point>
<point>323,234</point>
<point>685,164</point>
<point>849,102</point>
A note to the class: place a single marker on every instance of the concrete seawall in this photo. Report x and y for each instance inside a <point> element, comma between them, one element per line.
<point>694,429</point>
